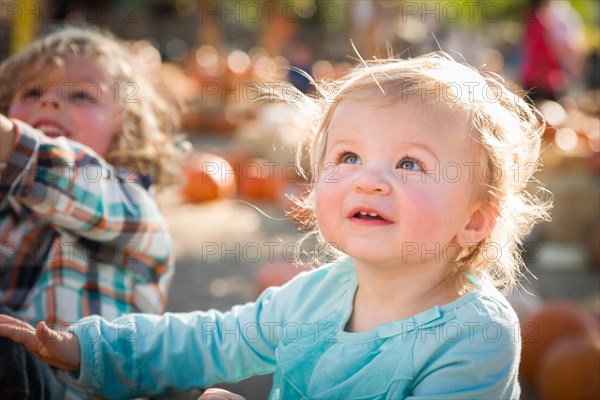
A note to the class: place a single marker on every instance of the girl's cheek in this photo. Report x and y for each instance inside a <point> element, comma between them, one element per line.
<point>328,173</point>
<point>321,205</point>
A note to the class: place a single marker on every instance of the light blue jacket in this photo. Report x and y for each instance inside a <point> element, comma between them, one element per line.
<point>466,349</point>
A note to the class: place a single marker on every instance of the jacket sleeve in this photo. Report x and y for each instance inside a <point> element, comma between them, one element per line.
<point>141,355</point>
<point>74,189</point>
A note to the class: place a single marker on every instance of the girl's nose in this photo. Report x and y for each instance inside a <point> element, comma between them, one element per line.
<point>372,181</point>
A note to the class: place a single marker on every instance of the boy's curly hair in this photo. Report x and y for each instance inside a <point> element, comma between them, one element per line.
<point>150,115</point>
<point>507,128</point>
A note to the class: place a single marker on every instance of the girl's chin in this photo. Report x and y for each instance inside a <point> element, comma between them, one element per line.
<point>373,257</point>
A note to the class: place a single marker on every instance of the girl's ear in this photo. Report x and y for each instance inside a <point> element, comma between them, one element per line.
<point>479,226</point>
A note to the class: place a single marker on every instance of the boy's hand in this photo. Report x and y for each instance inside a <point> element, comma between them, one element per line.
<point>7,137</point>
<point>219,394</point>
<point>57,348</point>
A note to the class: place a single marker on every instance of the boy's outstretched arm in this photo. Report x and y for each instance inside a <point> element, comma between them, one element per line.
<point>108,219</point>
<point>57,348</point>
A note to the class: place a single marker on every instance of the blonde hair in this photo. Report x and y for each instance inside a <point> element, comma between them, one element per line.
<point>507,128</point>
<point>149,116</point>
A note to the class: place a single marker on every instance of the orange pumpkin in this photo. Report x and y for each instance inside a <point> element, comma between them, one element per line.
<point>543,329</point>
<point>570,370</point>
<point>208,177</point>
<point>261,180</point>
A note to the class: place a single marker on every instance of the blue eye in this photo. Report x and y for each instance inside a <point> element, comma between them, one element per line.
<point>409,165</point>
<point>349,158</point>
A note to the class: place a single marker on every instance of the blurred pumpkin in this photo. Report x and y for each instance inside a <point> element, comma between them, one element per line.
<point>541,330</point>
<point>276,273</point>
<point>261,180</point>
<point>208,177</point>
<point>570,370</point>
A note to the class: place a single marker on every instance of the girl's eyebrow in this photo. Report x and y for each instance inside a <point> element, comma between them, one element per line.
<point>341,141</point>
<point>423,147</point>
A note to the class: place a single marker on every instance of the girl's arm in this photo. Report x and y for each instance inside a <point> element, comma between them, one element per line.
<point>139,355</point>
<point>142,354</point>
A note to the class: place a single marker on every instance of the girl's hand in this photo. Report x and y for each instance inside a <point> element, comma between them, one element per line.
<point>219,394</point>
<point>57,348</point>
<point>7,137</point>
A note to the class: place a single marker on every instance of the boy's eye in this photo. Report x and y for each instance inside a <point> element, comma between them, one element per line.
<point>32,94</point>
<point>349,158</point>
<point>82,95</point>
<point>409,164</point>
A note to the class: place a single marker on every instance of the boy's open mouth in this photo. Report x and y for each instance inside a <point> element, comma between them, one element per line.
<point>51,129</point>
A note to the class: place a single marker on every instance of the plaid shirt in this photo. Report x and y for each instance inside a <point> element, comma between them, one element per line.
<point>77,236</point>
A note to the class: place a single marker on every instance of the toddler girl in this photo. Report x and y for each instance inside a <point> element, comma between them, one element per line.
<point>421,184</point>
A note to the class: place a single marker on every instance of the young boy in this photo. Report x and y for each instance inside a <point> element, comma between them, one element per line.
<point>80,233</point>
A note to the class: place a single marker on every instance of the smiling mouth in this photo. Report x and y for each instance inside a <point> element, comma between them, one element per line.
<point>368,216</point>
<point>52,130</point>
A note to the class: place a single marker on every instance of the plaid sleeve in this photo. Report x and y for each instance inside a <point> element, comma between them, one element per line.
<point>75,190</point>
<point>12,172</point>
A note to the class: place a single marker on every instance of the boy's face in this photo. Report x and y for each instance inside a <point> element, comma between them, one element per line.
<point>79,101</point>
<point>399,183</point>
